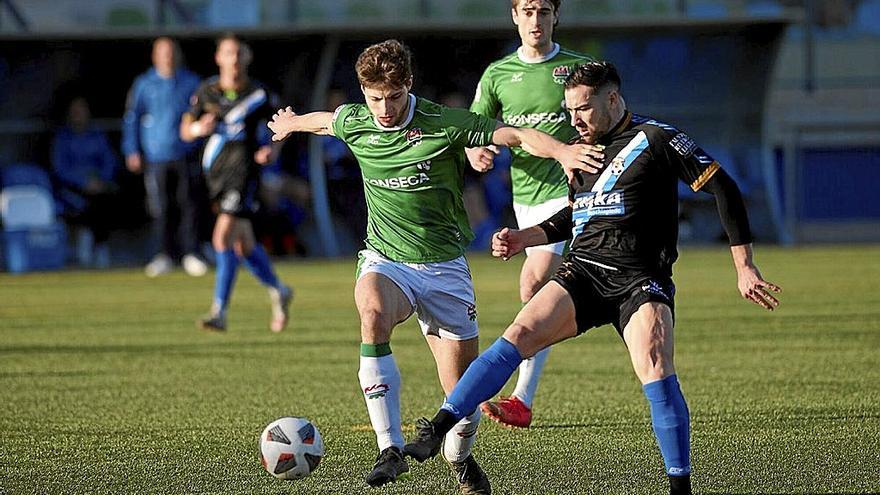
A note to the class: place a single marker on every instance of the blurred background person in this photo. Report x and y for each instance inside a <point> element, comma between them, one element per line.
<point>152,146</point>
<point>232,111</point>
<point>84,166</point>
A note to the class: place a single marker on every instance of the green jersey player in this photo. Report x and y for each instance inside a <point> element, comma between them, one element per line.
<point>525,89</point>
<point>410,154</point>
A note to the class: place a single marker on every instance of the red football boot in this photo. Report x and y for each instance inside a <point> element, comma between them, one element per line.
<point>509,411</point>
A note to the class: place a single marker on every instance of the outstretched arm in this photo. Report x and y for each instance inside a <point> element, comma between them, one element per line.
<point>751,284</point>
<point>286,121</point>
<point>571,156</point>
<point>506,243</point>
<point>732,211</point>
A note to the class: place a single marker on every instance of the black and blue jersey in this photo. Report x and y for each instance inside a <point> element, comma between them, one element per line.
<point>228,155</point>
<point>625,217</point>
<point>241,122</point>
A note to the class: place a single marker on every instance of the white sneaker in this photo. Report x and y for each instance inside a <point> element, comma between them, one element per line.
<point>193,266</point>
<point>159,265</point>
<point>281,300</point>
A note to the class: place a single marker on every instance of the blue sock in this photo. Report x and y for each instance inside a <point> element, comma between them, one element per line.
<point>671,420</point>
<point>483,378</point>
<point>227,267</point>
<point>258,263</point>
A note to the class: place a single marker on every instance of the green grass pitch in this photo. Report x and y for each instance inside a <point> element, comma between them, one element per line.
<point>107,388</point>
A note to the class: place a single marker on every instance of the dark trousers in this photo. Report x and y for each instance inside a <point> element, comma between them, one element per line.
<point>174,192</point>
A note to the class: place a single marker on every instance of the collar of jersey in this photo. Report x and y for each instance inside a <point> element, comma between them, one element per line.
<point>620,127</point>
<point>537,60</point>
<point>406,121</point>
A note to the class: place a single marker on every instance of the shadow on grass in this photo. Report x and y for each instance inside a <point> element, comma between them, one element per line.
<point>566,426</point>
<point>170,348</point>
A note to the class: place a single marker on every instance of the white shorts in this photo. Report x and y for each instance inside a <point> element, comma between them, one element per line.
<point>528,216</point>
<point>441,294</point>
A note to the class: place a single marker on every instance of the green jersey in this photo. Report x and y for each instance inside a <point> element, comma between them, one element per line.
<point>413,177</point>
<point>529,93</point>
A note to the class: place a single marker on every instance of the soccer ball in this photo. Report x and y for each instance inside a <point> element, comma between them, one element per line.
<point>291,448</point>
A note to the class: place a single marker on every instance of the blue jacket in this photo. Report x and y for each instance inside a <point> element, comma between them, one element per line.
<point>151,125</point>
<point>78,157</point>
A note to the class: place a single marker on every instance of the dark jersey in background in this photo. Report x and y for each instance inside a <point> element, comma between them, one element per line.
<point>228,154</point>
<point>241,122</point>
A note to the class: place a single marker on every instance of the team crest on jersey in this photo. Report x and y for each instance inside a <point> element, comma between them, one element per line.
<point>617,167</point>
<point>560,73</point>
<point>414,136</point>
<point>373,139</point>
<point>516,77</point>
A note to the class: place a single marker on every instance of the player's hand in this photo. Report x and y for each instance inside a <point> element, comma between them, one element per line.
<point>753,287</point>
<point>264,155</point>
<point>507,243</point>
<point>134,163</point>
<point>584,157</point>
<point>280,124</point>
<point>207,124</point>
<point>482,159</point>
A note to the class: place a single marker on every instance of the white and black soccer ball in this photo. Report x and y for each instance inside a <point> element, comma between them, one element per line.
<point>291,448</point>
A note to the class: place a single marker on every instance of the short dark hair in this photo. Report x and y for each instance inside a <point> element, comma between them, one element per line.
<point>555,3</point>
<point>596,75</point>
<point>228,36</point>
<point>384,65</point>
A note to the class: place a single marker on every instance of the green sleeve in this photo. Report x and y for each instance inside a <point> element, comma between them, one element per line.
<point>485,101</point>
<point>340,116</point>
<point>466,128</point>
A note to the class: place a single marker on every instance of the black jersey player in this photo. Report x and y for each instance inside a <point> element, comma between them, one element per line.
<point>623,221</point>
<point>231,111</point>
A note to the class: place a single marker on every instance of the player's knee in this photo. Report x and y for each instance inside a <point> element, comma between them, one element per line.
<point>524,338</point>
<point>220,243</point>
<point>653,365</point>
<point>243,248</point>
<point>375,325</point>
<point>528,290</point>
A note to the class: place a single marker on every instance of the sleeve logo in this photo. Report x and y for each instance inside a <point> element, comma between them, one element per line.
<point>683,144</point>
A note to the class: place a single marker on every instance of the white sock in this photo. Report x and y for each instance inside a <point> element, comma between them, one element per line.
<point>529,374</point>
<point>460,439</point>
<point>380,384</point>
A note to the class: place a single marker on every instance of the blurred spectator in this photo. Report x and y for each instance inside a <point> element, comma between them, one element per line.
<point>152,145</point>
<point>498,197</point>
<point>284,199</point>
<point>85,166</point>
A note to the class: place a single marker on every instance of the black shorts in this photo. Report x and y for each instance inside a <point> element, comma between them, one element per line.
<point>232,187</point>
<point>604,295</point>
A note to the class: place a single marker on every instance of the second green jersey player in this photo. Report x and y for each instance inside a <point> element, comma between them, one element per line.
<point>410,154</point>
<point>525,89</point>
